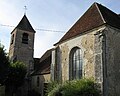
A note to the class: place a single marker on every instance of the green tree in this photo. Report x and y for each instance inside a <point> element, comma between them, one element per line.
<point>4,64</point>
<point>16,76</point>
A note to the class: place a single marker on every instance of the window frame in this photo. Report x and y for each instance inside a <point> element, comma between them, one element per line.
<point>75,60</point>
<point>25,38</point>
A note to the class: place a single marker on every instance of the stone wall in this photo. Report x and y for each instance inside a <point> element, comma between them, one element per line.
<point>87,44</point>
<point>23,52</point>
<point>43,79</point>
<point>101,58</point>
<point>112,68</point>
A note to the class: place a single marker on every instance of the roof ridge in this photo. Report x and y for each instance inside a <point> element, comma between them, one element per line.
<point>89,20</point>
<point>95,16</point>
<point>96,4</point>
<point>46,55</point>
<point>111,18</point>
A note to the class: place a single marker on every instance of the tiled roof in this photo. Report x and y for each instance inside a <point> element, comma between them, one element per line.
<point>24,24</point>
<point>95,16</point>
<point>44,64</point>
<point>46,55</point>
<point>110,17</point>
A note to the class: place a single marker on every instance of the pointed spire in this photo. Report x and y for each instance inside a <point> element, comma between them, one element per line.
<point>25,8</point>
<point>24,24</point>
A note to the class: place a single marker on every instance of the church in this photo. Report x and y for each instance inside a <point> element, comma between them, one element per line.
<point>90,49</point>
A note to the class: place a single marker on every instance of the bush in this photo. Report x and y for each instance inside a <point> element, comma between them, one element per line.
<point>52,86</point>
<point>83,87</point>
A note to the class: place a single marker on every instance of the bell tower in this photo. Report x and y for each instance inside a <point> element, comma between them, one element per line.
<point>22,43</point>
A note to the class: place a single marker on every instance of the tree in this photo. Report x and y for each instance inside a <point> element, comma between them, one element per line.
<point>11,75</point>
<point>4,64</point>
<point>16,76</point>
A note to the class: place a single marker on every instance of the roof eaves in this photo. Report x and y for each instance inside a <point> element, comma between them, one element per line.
<point>82,33</point>
<point>40,73</point>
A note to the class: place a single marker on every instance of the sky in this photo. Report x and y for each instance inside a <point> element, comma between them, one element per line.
<point>52,15</point>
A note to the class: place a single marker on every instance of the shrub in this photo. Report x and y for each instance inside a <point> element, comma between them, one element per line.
<point>83,87</point>
<point>52,88</point>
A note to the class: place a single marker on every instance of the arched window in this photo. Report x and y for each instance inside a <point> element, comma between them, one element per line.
<point>76,62</point>
<point>38,81</point>
<point>25,38</point>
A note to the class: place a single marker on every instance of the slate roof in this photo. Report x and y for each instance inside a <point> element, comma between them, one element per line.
<point>44,64</point>
<point>24,24</point>
<point>94,17</point>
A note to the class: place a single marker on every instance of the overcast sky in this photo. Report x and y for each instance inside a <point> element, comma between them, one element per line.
<point>57,15</point>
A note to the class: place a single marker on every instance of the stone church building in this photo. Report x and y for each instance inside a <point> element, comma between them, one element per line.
<point>90,49</point>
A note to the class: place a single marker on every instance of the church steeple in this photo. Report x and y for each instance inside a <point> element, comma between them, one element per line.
<point>24,24</point>
<point>22,43</point>
<point>22,46</point>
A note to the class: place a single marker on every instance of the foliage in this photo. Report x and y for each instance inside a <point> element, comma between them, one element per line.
<point>17,72</point>
<point>51,86</point>
<point>4,64</point>
<point>83,87</point>
<point>15,79</point>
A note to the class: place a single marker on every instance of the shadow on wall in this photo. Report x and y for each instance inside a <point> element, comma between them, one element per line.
<point>38,88</point>
<point>2,90</point>
<point>33,93</point>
